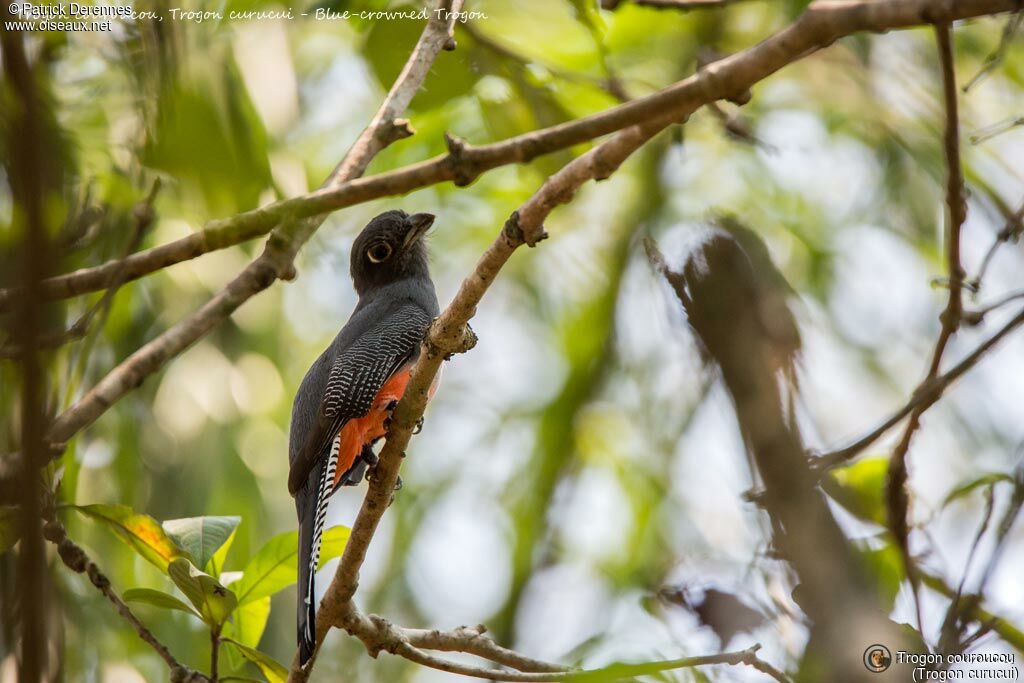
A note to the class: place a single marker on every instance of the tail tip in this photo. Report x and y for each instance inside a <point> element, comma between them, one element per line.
<point>306,648</point>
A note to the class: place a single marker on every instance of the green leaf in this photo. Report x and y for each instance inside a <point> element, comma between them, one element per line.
<point>157,599</point>
<point>274,566</point>
<point>141,532</point>
<point>965,489</point>
<point>8,527</point>
<point>248,622</point>
<point>201,537</point>
<point>860,488</point>
<point>386,50</point>
<point>214,602</point>
<point>885,567</point>
<point>220,557</point>
<point>275,672</point>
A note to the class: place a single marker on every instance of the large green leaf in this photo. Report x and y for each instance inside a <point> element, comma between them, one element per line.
<point>860,488</point>
<point>269,667</point>
<point>141,532</point>
<point>214,602</point>
<point>157,599</point>
<point>201,537</point>
<point>248,622</point>
<point>8,527</point>
<point>274,566</point>
<point>216,565</point>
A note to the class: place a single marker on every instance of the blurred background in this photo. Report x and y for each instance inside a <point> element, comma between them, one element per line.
<point>580,477</point>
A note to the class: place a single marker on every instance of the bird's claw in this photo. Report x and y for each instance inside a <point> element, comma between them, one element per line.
<point>419,426</point>
<point>390,410</point>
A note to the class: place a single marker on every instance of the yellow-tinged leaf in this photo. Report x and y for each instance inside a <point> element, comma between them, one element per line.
<point>214,602</point>
<point>141,532</point>
<point>860,488</point>
<point>269,667</point>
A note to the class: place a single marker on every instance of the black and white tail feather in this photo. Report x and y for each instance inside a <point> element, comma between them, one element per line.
<point>307,581</point>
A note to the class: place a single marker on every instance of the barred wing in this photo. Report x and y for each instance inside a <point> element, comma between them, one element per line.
<point>356,377</point>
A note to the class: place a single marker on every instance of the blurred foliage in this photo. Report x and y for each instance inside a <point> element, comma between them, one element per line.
<point>579,459</point>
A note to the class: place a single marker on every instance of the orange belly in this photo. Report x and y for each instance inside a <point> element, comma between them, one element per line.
<point>367,429</point>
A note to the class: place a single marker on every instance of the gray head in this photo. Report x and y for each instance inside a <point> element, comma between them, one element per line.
<point>390,248</point>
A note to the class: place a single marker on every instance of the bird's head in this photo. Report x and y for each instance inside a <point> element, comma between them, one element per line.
<point>390,248</point>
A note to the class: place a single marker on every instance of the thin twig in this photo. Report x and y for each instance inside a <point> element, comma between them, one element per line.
<point>924,397</point>
<point>1011,231</point>
<point>996,58</point>
<point>952,624</point>
<point>897,498</point>
<point>956,200</point>
<point>76,559</point>
<point>988,132</point>
<point>977,316</point>
<point>680,5</point>
<point>1006,630</point>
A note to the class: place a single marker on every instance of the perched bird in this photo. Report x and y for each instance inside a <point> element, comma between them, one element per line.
<point>344,403</point>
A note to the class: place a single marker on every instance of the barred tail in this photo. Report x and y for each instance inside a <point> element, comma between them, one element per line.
<point>312,515</point>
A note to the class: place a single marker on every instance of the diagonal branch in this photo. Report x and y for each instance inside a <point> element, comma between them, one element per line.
<point>78,561</point>
<point>821,25</point>
<point>450,334</point>
<point>923,398</point>
<point>275,261</point>
<point>818,27</point>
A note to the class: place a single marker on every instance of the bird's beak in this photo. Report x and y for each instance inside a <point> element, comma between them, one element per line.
<point>419,224</point>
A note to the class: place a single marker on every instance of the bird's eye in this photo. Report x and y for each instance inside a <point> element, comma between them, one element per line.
<point>379,252</point>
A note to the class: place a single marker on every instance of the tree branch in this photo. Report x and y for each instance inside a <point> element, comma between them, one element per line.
<point>33,180</point>
<point>450,334</point>
<point>76,559</point>
<point>897,497</point>
<point>821,25</point>
<point>275,261</point>
<point>379,635</point>
<point>472,640</point>
<point>923,397</point>
<point>1011,231</point>
<point>681,5</point>
<point>994,59</point>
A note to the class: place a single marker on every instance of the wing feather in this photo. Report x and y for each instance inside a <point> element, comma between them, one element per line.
<point>355,379</point>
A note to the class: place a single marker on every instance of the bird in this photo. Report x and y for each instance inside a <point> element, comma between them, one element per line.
<point>344,403</point>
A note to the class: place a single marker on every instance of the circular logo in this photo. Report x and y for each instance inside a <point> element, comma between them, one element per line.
<point>877,658</point>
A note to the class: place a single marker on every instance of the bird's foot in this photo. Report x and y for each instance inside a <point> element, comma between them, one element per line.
<point>390,410</point>
<point>398,487</point>
<point>419,426</point>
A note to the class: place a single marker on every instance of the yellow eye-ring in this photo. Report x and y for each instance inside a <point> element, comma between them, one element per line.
<point>379,252</point>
